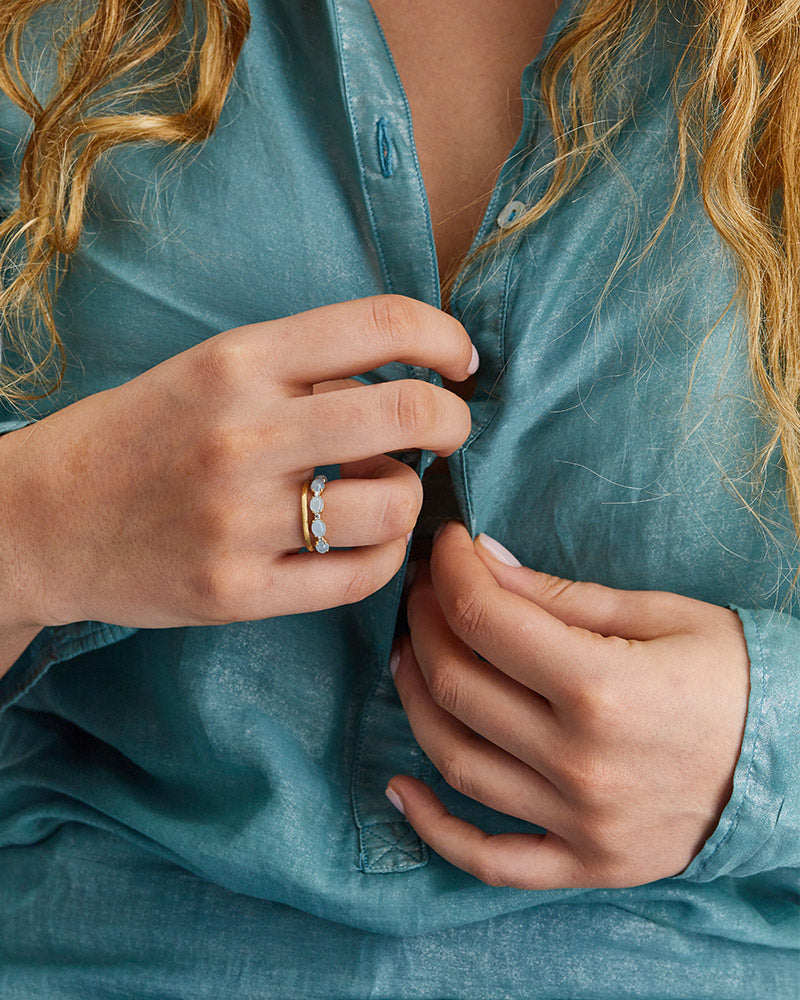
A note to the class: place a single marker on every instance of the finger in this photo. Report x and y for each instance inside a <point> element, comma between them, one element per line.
<point>515,634</point>
<point>350,338</point>
<point>336,384</point>
<point>470,764</point>
<point>516,860</point>
<point>381,501</point>
<point>308,581</point>
<point>353,424</point>
<point>485,699</point>
<point>632,614</point>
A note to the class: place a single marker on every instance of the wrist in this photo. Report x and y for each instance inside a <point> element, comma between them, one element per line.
<point>19,621</point>
<point>13,643</point>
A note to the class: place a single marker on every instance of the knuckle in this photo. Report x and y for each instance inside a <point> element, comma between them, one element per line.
<point>214,586</point>
<point>413,408</point>
<point>400,511</point>
<point>358,584</point>
<point>454,769</point>
<point>222,363</point>
<point>586,778</point>
<point>468,614</point>
<point>554,588</point>
<point>488,869</point>
<point>445,687</point>
<point>596,702</point>
<point>394,321</point>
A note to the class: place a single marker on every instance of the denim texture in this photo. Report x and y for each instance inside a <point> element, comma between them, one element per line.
<point>200,812</point>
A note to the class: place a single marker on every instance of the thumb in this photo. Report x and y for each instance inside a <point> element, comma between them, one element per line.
<point>631,614</point>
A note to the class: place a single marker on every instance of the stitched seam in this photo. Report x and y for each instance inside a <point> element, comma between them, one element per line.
<point>362,727</point>
<point>376,860</point>
<point>432,261</point>
<point>391,846</point>
<point>359,156</point>
<point>52,654</point>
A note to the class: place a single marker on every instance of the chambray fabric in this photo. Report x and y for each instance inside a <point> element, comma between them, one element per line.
<point>199,812</point>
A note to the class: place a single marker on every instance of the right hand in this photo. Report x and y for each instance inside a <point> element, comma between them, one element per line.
<point>174,499</point>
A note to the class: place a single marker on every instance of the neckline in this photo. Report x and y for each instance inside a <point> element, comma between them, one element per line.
<point>555,28</point>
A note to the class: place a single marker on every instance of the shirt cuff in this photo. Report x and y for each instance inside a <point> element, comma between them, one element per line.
<point>53,645</point>
<point>759,829</point>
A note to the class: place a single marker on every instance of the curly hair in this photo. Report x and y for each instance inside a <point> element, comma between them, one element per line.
<point>738,118</point>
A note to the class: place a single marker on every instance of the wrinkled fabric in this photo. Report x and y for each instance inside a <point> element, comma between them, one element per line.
<point>200,811</point>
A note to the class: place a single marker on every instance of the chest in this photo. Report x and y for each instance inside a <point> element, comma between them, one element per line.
<point>460,62</point>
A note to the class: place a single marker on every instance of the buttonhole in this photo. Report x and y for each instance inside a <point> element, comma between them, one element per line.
<point>384,147</point>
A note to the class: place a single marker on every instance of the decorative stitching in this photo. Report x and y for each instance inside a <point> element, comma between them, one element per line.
<point>415,854</point>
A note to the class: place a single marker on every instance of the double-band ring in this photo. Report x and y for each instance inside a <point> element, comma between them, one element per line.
<point>316,505</point>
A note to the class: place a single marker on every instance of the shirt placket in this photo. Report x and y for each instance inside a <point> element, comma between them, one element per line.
<point>401,229</point>
<point>398,211</point>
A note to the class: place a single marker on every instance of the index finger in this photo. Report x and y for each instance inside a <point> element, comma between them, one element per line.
<point>350,338</point>
<point>512,633</point>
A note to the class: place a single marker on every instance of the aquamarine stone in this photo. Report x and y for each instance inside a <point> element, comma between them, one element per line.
<point>317,505</point>
<point>318,528</point>
<point>322,546</point>
<point>318,484</point>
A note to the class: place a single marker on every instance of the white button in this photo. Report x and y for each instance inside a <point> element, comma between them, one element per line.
<point>509,215</point>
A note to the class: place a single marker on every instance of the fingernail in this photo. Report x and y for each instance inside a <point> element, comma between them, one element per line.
<point>474,362</point>
<point>408,536</point>
<point>497,550</point>
<point>395,799</point>
<point>394,660</point>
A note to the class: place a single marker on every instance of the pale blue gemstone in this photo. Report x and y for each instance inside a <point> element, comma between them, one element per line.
<point>317,505</point>
<point>318,528</point>
<point>322,546</point>
<point>318,484</point>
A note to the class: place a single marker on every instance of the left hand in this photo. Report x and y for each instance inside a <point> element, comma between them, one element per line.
<point>612,719</point>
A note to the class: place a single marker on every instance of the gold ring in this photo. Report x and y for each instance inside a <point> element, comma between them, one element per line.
<point>304,516</point>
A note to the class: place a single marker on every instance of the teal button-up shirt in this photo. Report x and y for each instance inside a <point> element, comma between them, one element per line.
<point>198,812</point>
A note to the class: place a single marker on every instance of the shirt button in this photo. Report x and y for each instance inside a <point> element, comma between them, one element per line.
<point>512,211</point>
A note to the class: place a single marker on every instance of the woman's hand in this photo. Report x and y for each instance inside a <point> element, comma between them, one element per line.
<point>613,719</point>
<point>174,499</point>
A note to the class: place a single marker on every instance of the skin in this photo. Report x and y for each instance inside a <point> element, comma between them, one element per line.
<point>612,719</point>
<point>190,475</point>
<point>627,709</point>
<point>460,62</point>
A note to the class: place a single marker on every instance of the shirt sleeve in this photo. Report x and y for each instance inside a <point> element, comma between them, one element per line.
<point>759,829</point>
<point>52,645</point>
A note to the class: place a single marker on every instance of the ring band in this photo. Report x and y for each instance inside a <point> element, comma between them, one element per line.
<point>317,527</point>
<point>304,516</point>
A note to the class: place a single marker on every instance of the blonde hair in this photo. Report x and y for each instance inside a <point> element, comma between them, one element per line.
<point>739,119</point>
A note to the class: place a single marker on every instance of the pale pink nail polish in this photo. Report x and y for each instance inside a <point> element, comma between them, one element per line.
<point>394,661</point>
<point>474,362</point>
<point>497,550</point>
<point>395,799</point>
